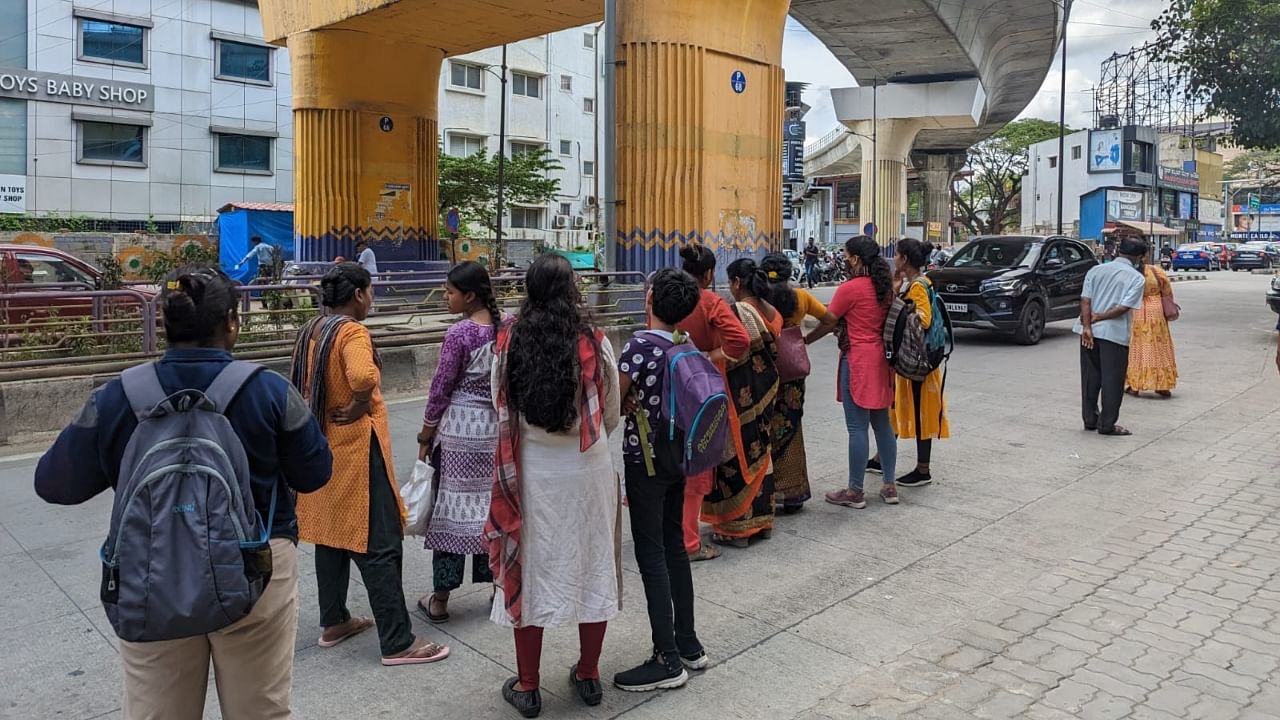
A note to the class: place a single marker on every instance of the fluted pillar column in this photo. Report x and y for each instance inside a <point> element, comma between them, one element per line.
<point>938,171</point>
<point>365,147</point>
<point>700,95</point>
<point>884,173</point>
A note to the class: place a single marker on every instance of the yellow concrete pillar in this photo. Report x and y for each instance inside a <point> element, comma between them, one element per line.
<point>365,147</point>
<point>884,200</point>
<point>699,117</point>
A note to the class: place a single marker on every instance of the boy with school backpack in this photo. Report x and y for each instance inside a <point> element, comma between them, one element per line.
<point>677,417</point>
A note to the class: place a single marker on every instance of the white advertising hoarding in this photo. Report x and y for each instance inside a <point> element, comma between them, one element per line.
<point>13,194</point>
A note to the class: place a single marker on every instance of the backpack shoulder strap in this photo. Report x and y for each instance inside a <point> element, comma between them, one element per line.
<point>227,384</point>
<point>142,387</point>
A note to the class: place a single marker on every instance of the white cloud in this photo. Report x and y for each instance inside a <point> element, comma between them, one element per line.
<point>1096,31</point>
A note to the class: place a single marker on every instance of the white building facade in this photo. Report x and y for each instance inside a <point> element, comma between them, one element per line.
<point>553,102</point>
<point>148,111</point>
<point>1040,185</point>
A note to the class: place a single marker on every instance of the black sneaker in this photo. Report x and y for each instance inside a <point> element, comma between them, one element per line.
<point>527,702</point>
<point>589,691</point>
<point>873,466</point>
<point>698,661</point>
<point>656,674</point>
<point>915,478</point>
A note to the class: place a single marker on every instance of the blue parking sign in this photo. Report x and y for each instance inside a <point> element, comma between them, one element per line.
<point>738,81</point>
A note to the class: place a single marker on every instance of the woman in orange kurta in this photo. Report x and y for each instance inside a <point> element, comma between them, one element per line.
<point>1152,365</point>
<point>358,516</point>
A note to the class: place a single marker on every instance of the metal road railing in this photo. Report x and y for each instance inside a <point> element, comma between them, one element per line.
<point>59,331</point>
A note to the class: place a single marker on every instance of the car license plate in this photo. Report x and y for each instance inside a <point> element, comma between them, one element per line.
<point>1187,256</point>
<point>958,308</point>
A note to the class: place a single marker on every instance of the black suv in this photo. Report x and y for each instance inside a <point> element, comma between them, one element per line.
<point>1014,283</point>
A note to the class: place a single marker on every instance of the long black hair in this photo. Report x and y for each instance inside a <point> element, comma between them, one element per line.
<point>542,360</point>
<point>340,283</point>
<point>698,260</point>
<point>471,277</point>
<point>777,268</point>
<point>754,280</point>
<point>915,251</point>
<point>197,302</point>
<point>866,250</point>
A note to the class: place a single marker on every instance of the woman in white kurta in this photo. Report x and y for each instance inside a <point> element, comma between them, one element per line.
<point>554,523</point>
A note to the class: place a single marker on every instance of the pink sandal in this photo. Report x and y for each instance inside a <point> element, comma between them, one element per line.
<point>435,653</point>
<point>359,625</point>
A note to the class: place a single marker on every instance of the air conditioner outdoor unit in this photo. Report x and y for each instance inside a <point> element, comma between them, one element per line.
<point>562,221</point>
<point>579,222</point>
<point>591,201</point>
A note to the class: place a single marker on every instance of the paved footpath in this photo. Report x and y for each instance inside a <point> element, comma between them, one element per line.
<point>1048,573</point>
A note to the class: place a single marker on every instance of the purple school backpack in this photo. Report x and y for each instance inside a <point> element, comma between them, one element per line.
<point>695,403</point>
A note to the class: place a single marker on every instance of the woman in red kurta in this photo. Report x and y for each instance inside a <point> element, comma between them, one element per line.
<point>865,381</point>
<point>715,330</point>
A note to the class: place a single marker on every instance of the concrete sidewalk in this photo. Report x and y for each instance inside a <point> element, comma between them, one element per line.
<point>1048,573</point>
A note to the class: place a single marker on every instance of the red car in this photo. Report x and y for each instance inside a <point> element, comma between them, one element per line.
<point>33,268</point>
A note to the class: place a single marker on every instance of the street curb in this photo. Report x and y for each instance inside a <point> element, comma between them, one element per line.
<point>1185,278</point>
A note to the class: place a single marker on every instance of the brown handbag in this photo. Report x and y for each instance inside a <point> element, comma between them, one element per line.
<point>1172,310</point>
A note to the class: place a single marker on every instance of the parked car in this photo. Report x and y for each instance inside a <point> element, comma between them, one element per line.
<point>1196,256</point>
<point>1014,284</point>
<point>1273,295</point>
<point>1226,253</point>
<point>28,268</point>
<point>1253,256</point>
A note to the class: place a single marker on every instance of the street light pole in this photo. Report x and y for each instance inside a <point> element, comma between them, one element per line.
<point>875,156</point>
<point>1062,122</point>
<point>499,250</point>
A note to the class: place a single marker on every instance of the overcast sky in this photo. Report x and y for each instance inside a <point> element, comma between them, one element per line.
<point>1096,31</point>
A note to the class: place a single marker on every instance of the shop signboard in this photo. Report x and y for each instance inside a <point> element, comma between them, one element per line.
<point>1177,179</point>
<point>1124,205</point>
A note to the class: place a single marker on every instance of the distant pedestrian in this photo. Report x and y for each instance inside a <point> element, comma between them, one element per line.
<point>1111,292</point>
<point>553,523</point>
<point>655,488</point>
<point>366,258</point>
<point>263,255</point>
<point>864,380</point>
<point>358,516</point>
<point>715,330</point>
<point>811,256</point>
<point>461,426</point>
<point>252,658</point>
<point>790,463</point>
<point>1153,367</point>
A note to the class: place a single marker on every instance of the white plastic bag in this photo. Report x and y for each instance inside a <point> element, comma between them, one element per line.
<point>419,498</point>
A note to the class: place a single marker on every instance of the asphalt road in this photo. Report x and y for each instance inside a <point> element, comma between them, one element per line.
<point>807,624</point>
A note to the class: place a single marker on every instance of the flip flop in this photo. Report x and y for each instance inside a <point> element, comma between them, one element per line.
<point>1117,431</point>
<point>426,610</point>
<point>362,624</point>
<point>439,652</point>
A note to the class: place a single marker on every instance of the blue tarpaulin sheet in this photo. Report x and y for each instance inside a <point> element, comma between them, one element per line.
<point>237,225</point>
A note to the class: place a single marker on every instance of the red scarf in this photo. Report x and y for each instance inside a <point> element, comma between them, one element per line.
<point>505,520</point>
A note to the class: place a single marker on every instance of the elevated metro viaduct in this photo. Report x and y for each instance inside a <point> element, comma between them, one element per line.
<point>699,104</point>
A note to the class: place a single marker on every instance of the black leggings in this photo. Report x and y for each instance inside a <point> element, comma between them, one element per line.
<point>924,448</point>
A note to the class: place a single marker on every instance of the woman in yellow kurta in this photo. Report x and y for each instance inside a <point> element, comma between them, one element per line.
<point>358,516</point>
<point>919,409</point>
<point>1152,365</point>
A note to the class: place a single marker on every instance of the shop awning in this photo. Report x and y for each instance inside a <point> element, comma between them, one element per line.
<point>1149,229</point>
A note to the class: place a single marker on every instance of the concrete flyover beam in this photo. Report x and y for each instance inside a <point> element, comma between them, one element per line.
<point>1007,45</point>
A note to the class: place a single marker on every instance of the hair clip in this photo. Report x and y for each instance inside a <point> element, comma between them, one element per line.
<point>773,274</point>
<point>174,285</point>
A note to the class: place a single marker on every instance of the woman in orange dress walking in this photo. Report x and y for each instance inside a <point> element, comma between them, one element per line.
<point>1152,365</point>
<point>357,516</point>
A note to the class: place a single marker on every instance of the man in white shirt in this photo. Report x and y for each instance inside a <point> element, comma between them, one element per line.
<point>366,258</point>
<point>1111,292</point>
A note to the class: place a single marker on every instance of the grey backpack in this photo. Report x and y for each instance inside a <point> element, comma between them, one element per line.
<point>187,553</point>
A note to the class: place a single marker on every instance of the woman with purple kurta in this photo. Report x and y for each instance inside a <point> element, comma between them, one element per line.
<point>460,432</point>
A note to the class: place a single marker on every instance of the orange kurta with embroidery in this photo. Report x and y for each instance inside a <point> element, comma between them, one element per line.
<point>337,515</point>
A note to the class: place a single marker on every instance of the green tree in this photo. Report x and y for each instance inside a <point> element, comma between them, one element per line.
<point>1226,50</point>
<point>1262,165</point>
<point>989,200</point>
<point>471,185</point>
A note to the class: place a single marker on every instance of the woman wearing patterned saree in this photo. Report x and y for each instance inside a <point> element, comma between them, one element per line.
<point>740,504</point>
<point>790,465</point>
<point>1152,365</point>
